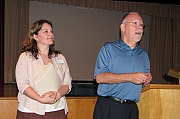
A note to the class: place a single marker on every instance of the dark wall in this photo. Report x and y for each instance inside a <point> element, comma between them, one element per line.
<point>2,12</point>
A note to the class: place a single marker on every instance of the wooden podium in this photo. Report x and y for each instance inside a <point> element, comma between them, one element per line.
<point>160,101</point>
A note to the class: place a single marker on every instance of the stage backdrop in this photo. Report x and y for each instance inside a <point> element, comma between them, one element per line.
<point>80,32</point>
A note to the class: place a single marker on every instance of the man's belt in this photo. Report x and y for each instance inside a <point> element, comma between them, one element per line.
<point>118,100</point>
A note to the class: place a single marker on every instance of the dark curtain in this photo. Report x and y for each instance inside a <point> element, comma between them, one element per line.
<point>2,11</point>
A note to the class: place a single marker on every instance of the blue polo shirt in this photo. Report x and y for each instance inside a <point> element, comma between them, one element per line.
<point>117,57</point>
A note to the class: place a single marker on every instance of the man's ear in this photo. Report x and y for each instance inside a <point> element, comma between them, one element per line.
<point>122,27</point>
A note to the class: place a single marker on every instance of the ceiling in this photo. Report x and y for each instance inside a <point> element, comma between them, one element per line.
<point>158,2</point>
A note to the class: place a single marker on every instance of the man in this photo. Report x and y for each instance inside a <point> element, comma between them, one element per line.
<point>122,67</point>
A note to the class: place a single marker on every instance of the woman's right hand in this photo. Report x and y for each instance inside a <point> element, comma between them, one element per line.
<point>49,97</point>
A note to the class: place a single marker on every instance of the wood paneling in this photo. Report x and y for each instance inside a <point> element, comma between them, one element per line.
<point>8,107</point>
<point>160,102</point>
<point>79,107</point>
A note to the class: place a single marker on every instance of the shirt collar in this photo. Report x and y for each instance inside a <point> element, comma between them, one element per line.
<point>125,46</point>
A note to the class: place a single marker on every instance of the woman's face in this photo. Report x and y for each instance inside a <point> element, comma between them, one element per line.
<point>45,36</point>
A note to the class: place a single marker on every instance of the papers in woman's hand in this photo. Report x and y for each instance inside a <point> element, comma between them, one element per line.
<point>48,80</point>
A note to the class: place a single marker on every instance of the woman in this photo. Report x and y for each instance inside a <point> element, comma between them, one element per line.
<point>37,52</point>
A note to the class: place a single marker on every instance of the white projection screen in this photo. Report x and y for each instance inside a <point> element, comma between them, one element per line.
<point>80,32</point>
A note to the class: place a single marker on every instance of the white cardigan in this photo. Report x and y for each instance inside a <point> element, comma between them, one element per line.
<point>27,68</point>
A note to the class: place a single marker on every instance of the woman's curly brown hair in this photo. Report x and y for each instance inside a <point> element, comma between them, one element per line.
<point>30,44</point>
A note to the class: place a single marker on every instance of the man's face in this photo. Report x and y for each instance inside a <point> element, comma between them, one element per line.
<point>132,28</point>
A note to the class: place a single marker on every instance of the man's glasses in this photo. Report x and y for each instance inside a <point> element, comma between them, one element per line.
<point>136,24</point>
